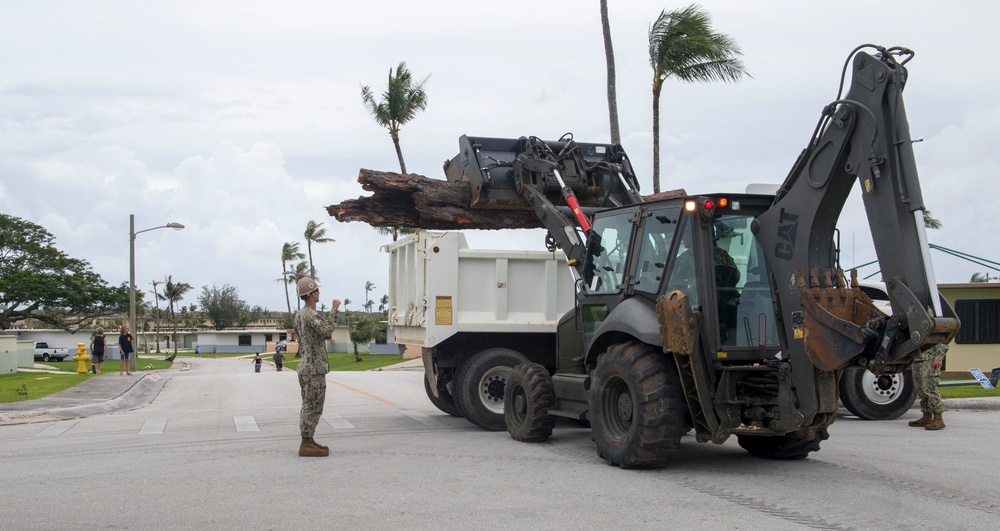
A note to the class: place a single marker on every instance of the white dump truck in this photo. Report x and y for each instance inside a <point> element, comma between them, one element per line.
<point>475,314</point>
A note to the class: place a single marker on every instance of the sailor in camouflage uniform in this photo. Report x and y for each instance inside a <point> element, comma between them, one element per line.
<point>313,331</point>
<point>926,377</point>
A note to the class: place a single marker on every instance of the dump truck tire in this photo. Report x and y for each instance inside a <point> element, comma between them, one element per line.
<point>445,402</point>
<point>528,396</point>
<point>785,448</point>
<point>872,397</point>
<point>637,408</point>
<point>478,387</point>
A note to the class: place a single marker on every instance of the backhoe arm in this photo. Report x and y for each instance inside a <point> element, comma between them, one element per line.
<point>863,137</point>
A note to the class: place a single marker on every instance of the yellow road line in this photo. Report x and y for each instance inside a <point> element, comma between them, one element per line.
<point>369,395</point>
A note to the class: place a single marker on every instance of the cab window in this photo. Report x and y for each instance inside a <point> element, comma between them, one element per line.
<point>608,251</point>
<point>657,236</point>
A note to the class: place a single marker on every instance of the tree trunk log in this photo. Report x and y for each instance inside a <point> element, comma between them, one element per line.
<point>414,201</point>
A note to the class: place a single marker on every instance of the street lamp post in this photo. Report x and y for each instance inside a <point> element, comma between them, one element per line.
<point>131,278</point>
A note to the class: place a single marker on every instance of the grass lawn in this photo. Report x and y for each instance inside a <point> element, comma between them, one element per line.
<point>344,361</point>
<point>30,385</point>
<point>967,391</point>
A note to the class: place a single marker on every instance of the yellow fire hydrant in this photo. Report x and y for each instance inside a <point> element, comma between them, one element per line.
<point>81,358</point>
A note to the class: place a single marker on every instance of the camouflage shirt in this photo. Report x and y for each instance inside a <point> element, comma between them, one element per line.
<point>313,331</point>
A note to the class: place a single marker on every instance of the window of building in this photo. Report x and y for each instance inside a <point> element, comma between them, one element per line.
<point>245,340</point>
<point>980,321</point>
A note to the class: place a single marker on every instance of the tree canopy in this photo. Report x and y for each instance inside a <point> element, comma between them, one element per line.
<point>221,305</point>
<point>38,281</point>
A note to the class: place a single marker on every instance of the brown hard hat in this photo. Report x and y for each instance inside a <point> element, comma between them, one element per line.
<point>306,286</point>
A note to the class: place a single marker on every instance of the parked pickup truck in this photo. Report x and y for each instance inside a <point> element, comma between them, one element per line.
<point>46,353</point>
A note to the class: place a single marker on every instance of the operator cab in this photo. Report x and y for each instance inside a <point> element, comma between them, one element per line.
<point>702,246</point>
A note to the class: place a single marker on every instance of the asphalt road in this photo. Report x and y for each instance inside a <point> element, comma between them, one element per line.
<point>216,449</point>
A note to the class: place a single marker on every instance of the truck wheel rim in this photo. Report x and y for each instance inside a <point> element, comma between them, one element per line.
<point>491,388</point>
<point>882,389</point>
<point>618,408</point>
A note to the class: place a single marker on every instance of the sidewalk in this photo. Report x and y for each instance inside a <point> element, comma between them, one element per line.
<point>104,393</point>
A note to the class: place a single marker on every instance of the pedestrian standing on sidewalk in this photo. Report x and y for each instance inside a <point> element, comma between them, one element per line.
<point>125,345</point>
<point>98,346</point>
<point>197,352</point>
<point>313,330</point>
<point>927,378</point>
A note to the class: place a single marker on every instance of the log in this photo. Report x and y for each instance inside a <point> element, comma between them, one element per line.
<point>409,200</point>
<point>414,201</point>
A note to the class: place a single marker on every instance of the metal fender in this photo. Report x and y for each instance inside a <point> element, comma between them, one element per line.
<point>635,318</point>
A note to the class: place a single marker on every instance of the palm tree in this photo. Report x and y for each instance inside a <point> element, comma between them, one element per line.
<point>156,300</point>
<point>395,232</point>
<point>383,303</point>
<point>369,287</point>
<point>400,103</point>
<point>289,252</point>
<point>930,222</point>
<point>981,277</point>
<point>301,270</point>
<point>315,233</point>
<point>609,59</point>
<point>173,293</point>
<point>682,45</point>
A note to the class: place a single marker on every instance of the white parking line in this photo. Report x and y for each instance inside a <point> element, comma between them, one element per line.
<point>246,423</point>
<point>422,418</point>
<point>337,422</point>
<point>57,428</point>
<point>153,427</point>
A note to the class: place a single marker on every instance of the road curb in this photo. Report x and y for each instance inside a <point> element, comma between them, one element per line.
<point>138,395</point>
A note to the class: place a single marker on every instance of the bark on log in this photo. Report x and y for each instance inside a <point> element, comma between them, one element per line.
<point>414,201</point>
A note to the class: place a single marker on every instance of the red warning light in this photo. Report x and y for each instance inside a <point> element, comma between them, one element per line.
<point>708,204</point>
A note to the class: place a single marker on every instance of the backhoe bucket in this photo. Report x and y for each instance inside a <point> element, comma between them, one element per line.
<point>498,168</point>
<point>836,319</point>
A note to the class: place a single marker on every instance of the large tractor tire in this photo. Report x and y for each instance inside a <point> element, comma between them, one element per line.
<point>637,408</point>
<point>872,397</point>
<point>444,402</point>
<point>478,387</point>
<point>526,402</point>
<point>786,447</point>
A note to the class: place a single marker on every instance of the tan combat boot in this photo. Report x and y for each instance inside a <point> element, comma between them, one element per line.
<point>922,421</point>
<point>937,423</point>
<point>308,448</point>
<point>323,447</point>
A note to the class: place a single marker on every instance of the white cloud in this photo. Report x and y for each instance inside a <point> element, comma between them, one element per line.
<point>243,120</point>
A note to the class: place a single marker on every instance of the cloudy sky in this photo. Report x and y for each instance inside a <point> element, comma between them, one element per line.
<point>243,119</point>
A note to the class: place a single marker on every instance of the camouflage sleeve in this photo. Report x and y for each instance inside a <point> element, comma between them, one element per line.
<point>324,326</point>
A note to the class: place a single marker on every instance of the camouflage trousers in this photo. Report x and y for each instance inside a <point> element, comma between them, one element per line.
<point>927,378</point>
<point>313,395</point>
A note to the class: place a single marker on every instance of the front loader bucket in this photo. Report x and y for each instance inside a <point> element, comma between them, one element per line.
<point>498,168</point>
<point>835,320</point>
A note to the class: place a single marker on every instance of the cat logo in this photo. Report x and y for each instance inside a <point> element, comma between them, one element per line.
<point>788,225</point>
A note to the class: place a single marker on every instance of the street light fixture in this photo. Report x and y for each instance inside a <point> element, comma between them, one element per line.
<point>131,280</point>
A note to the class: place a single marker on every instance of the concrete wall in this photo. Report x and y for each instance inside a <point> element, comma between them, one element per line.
<point>25,353</point>
<point>8,354</point>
